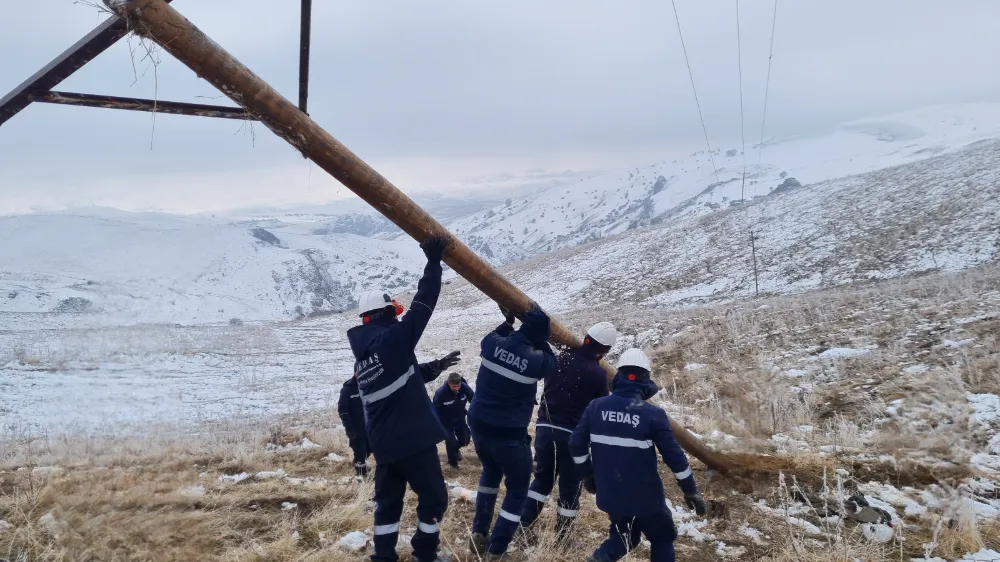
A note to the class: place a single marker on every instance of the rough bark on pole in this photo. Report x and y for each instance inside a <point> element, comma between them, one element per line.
<point>161,23</point>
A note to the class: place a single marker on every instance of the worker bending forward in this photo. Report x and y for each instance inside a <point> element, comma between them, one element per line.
<point>403,431</point>
<point>614,446</point>
<point>512,363</point>
<point>579,379</point>
<point>450,402</point>
<point>352,415</point>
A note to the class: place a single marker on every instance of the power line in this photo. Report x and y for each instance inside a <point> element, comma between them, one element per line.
<point>687,61</point>
<point>767,86</point>
<point>743,137</point>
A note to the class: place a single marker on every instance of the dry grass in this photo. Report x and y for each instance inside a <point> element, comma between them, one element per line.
<point>143,508</point>
<point>928,341</point>
<point>828,430</point>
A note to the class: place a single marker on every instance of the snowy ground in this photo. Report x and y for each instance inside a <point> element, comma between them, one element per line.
<point>889,391</point>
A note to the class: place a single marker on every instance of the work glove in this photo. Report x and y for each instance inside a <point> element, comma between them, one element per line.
<point>435,246</point>
<point>507,315</point>
<point>590,484</point>
<point>696,502</point>
<point>450,360</point>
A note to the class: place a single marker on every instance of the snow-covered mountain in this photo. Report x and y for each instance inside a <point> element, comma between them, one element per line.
<point>871,199</point>
<point>937,214</point>
<point>701,184</point>
<point>155,267</point>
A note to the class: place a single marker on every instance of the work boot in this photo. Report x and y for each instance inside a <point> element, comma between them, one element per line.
<point>460,457</point>
<point>477,546</point>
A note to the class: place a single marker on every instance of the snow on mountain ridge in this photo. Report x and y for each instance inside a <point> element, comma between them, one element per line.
<point>691,244</point>
<point>936,214</point>
<point>602,206</point>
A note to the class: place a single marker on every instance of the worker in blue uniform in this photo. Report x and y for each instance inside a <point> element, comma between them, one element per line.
<point>450,403</point>
<point>579,379</point>
<point>615,446</point>
<point>511,364</point>
<point>403,431</point>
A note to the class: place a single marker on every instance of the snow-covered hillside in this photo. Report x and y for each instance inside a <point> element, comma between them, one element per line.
<point>609,204</point>
<point>872,199</point>
<point>938,214</point>
<point>161,268</point>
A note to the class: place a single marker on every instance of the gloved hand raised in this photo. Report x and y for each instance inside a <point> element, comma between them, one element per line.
<point>450,360</point>
<point>508,315</point>
<point>696,502</point>
<point>435,246</point>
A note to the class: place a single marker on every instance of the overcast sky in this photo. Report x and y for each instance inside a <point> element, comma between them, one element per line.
<point>437,92</point>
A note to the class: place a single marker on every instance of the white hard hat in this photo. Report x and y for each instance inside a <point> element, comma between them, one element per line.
<point>373,300</point>
<point>634,358</point>
<point>603,333</point>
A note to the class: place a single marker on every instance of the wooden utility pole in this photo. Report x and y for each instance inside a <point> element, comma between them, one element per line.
<point>159,22</point>
<point>753,251</point>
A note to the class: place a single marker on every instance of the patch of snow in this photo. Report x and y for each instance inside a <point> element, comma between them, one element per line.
<point>687,524</point>
<point>954,344</point>
<point>725,551</point>
<point>894,406</point>
<point>796,373</point>
<point>269,474</point>
<point>353,541</point>
<point>308,481</point>
<point>192,491</point>
<point>983,555</point>
<point>464,494</point>
<point>751,533</point>
<point>50,524</point>
<point>304,444</point>
<point>877,532</point>
<point>333,457</point>
<point>887,458</point>
<point>843,352</point>
<point>970,319</point>
<point>786,515</point>
<point>988,460</point>
<point>986,406</point>
<point>288,506</point>
<point>4,525</point>
<point>46,470</point>
<point>234,478</point>
<point>694,530</point>
<point>694,366</point>
<point>919,368</point>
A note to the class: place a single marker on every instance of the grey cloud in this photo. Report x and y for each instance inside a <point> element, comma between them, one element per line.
<point>457,79</point>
